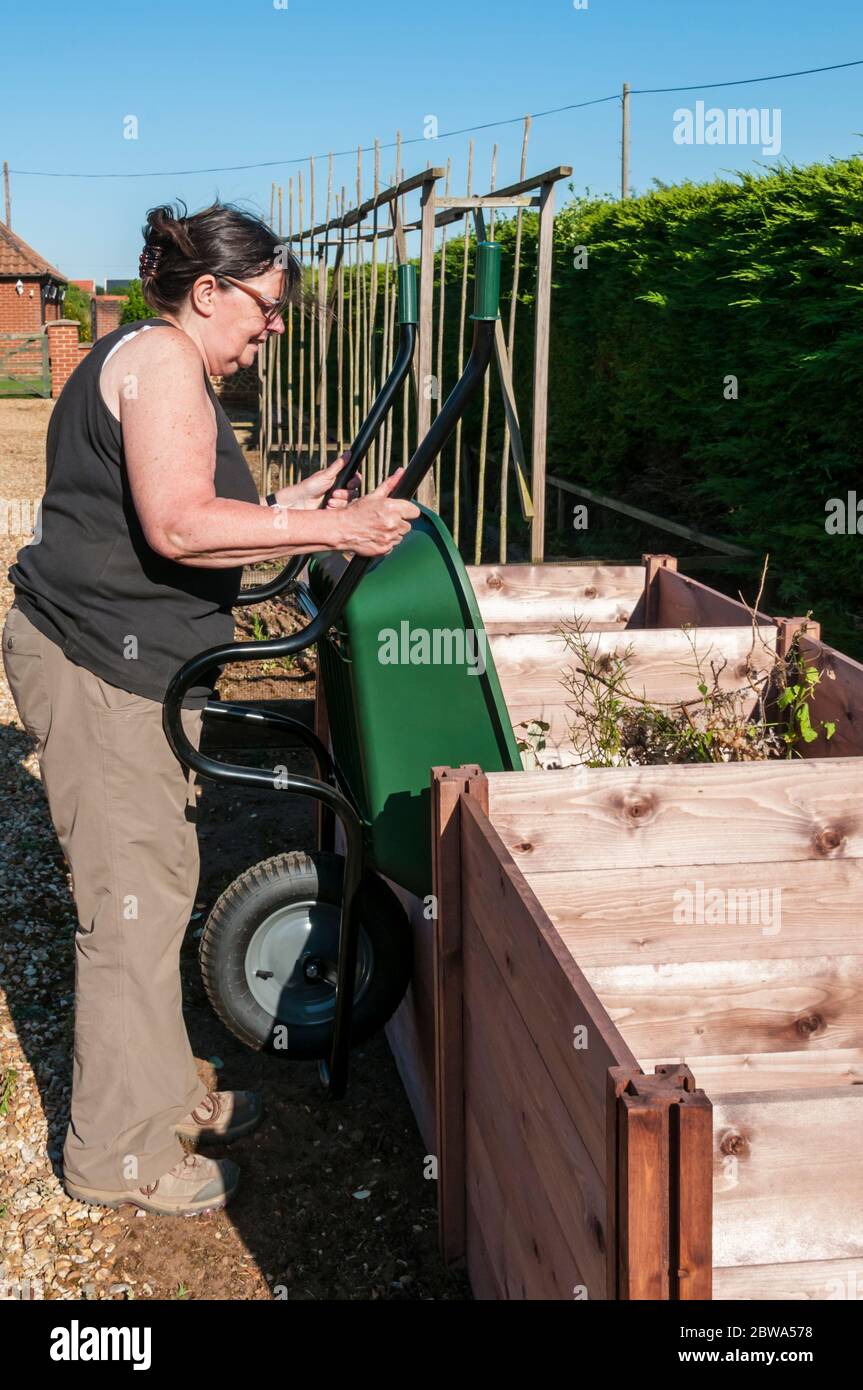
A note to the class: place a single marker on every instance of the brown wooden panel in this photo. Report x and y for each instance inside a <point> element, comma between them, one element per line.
<point>623,916</point>
<point>411,1030</point>
<point>549,991</point>
<point>838,699</point>
<point>813,1280</point>
<point>552,1188</point>
<point>614,818</point>
<point>521,1255</point>
<point>686,601</point>
<point>708,1007</point>
<point>482,1272</point>
<point>447,786</point>
<point>691,1124</point>
<point>643,1212</point>
<point>788,1178</point>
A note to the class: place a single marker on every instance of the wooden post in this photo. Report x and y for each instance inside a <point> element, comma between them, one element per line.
<point>447,786</point>
<point>340,332</point>
<point>662,1158</point>
<point>624,144</point>
<point>652,565</point>
<point>486,404</point>
<point>426,490</point>
<point>313,318</point>
<point>301,383</point>
<point>456,482</point>
<point>440,334</point>
<point>542,343</point>
<point>513,301</point>
<point>789,628</point>
<point>289,404</point>
<point>277,352</point>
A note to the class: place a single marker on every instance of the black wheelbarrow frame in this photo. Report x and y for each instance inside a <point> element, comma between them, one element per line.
<point>327,787</point>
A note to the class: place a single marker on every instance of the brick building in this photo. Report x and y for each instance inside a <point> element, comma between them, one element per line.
<point>31,289</point>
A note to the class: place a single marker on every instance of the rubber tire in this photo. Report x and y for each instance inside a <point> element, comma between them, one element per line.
<point>250,899</point>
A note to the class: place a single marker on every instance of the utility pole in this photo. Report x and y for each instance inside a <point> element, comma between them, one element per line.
<point>7,195</point>
<point>624,145</point>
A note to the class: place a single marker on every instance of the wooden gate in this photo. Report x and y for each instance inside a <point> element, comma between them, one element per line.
<point>24,367</point>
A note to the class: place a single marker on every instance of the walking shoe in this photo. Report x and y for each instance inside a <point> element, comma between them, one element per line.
<point>193,1185</point>
<point>222,1116</point>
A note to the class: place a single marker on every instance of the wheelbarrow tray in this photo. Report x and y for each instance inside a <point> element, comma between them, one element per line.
<point>409,681</point>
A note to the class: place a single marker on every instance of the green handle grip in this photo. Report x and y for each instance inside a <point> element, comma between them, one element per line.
<point>487,281</point>
<point>408,294</point>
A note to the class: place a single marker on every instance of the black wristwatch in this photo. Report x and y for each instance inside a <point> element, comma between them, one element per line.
<point>271,499</point>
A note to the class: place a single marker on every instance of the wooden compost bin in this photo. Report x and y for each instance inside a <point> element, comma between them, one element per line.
<point>623,1107</point>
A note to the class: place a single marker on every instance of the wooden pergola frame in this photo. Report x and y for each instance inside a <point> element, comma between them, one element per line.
<point>437,210</point>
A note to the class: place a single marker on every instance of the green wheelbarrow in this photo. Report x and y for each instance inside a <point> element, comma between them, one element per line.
<point>309,954</point>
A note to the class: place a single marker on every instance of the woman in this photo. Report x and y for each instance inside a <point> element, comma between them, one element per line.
<point>149,514</point>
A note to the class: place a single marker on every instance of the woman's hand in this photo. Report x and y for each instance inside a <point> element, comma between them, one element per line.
<point>306,495</point>
<point>374,525</point>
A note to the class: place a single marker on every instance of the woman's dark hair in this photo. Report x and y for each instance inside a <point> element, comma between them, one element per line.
<point>219,240</point>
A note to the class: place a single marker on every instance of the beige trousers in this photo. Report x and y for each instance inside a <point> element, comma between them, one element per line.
<point>123,808</point>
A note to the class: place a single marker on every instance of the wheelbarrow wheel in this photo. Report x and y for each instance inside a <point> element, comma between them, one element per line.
<point>269,948</point>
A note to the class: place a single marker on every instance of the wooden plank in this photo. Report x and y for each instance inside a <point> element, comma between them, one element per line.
<point>558,1006</point>
<point>560,171</point>
<point>643,1216</point>
<point>708,1007</point>
<point>687,601</point>
<point>614,818</point>
<point>552,1186</point>
<point>447,785</point>
<point>542,344</point>
<point>519,1264</point>
<point>652,565</point>
<point>814,1280</point>
<point>459,202</point>
<point>411,1030</point>
<point>691,1124</point>
<point>550,594</point>
<point>662,665</point>
<point>624,916</point>
<point>482,1272</point>
<point>731,1073</point>
<point>426,491</point>
<point>386,195</point>
<point>788,1182</point>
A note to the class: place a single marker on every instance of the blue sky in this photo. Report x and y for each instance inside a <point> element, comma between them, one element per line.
<point>214,83</point>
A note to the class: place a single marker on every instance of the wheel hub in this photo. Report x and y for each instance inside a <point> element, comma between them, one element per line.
<point>291,959</point>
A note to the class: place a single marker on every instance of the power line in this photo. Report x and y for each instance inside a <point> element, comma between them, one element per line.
<point>746,81</point>
<point>446,135</point>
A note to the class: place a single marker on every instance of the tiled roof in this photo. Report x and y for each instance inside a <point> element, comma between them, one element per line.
<point>17,258</point>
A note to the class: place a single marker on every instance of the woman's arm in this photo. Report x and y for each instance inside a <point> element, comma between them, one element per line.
<point>169,437</point>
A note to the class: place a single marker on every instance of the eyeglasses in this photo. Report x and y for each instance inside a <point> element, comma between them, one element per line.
<point>272,308</point>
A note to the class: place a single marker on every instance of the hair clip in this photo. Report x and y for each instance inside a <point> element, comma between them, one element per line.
<point>148,263</point>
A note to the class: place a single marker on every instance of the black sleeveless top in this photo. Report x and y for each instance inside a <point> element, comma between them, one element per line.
<point>91,583</point>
